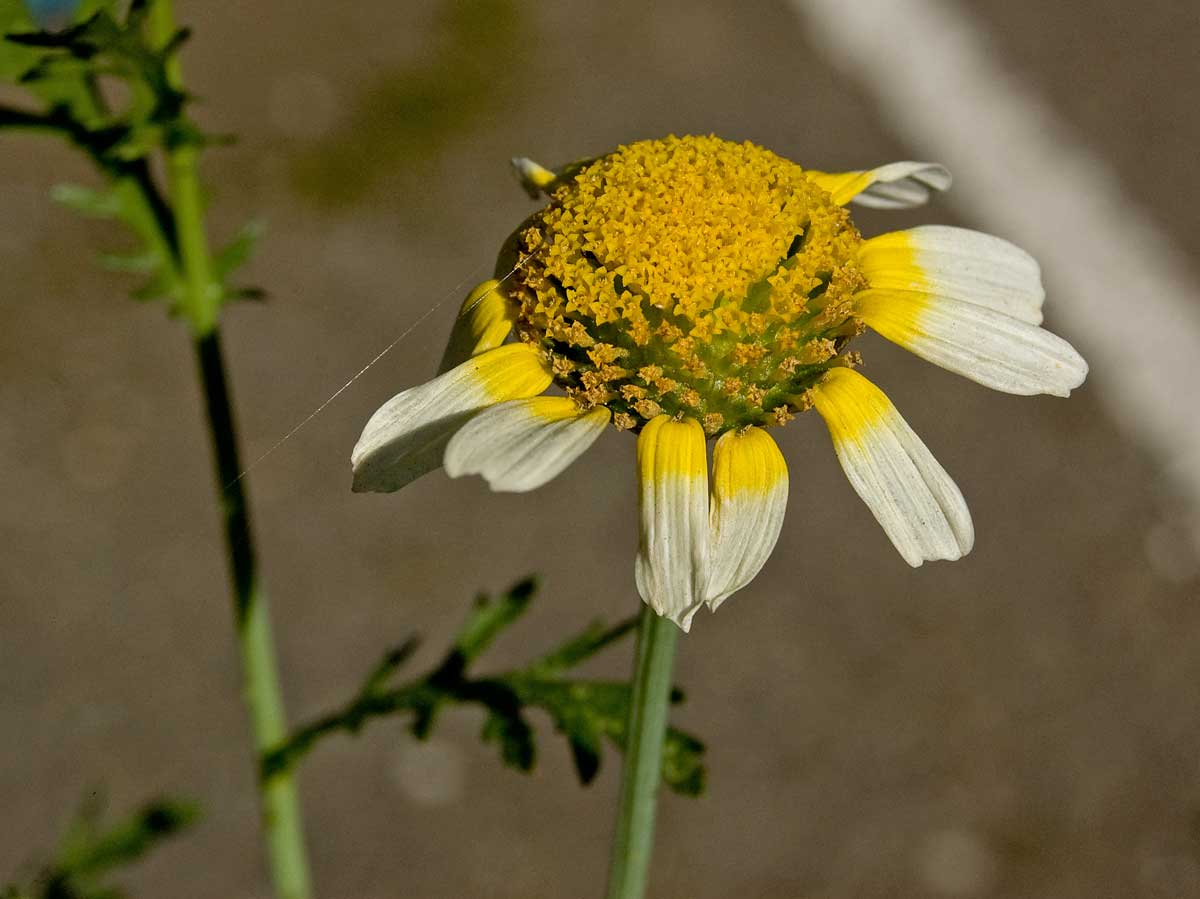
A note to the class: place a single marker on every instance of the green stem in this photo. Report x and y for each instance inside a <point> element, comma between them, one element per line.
<point>281,820</point>
<point>645,734</point>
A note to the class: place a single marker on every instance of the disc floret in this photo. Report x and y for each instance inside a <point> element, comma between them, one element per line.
<point>689,276</point>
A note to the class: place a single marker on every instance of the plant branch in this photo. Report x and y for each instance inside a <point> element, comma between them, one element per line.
<point>586,712</point>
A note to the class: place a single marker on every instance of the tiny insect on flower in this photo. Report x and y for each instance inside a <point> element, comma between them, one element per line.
<point>693,289</point>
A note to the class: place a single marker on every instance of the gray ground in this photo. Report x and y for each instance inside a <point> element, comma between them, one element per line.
<point>1022,723</point>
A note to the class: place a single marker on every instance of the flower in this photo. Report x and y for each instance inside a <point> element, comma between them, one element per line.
<point>693,289</point>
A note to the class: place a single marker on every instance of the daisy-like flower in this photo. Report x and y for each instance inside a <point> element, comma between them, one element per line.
<point>693,289</point>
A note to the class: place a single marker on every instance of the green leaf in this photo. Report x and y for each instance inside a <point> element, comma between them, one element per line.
<point>683,763</point>
<point>391,662</point>
<point>585,753</point>
<point>585,712</point>
<point>488,618</point>
<point>584,645</point>
<point>165,286</point>
<point>515,736</point>
<point>138,264</point>
<point>98,852</point>
<point>238,251</point>
<point>90,852</point>
<point>14,59</point>
<point>253,294</point>
<point>94,203</point>
<point>62,67</point>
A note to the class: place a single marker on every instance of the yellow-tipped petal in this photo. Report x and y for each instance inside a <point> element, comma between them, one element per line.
<point>672,561</point>
<point>522,444</point>
<point>748,501</point>
<point>919,507</point>
<point>407,435</point>
<point>897,185</point>
<point>484,323</point>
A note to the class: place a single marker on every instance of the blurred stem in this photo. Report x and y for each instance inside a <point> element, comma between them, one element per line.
<point>633,841</point>
<point>281,820</point>
<point>201,293</point>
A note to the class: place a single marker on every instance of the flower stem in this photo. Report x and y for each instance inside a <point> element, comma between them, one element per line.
<point>645,734</point>
<point>281,820</point>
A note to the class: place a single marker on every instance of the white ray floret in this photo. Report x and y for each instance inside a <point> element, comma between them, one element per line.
<point>747,504</point>
<point>960,263</point>
<point>988,347</point>
<point>407,435</point>
<point>520,445</point>
<point>897,185</point>
<point>671,568</point>
<point>919,507</point>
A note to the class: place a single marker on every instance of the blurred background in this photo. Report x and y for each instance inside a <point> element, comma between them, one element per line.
<point>1023,723</point>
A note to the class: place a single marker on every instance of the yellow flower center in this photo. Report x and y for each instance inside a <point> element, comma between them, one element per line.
<point>691,276</point>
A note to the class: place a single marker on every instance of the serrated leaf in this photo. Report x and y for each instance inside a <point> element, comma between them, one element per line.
<point>91,851</point>
<point>61,65</point>
<point>585,712</point>
<point>129,839</point>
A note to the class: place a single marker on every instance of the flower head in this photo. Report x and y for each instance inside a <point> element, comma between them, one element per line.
<point>693,289</point>
<point>690,277</point>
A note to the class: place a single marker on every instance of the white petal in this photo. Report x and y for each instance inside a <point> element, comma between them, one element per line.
<point>919,507</point>
<point>484,322</point>
<point>672,561</point>
<point>988,347</point>
<point>748,500</point>
<point>407,435</point>
<point>522,444</point>
<point>959,263</point>
<point>897,185</point>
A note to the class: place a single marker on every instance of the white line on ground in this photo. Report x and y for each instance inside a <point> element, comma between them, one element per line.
<point>1122,292</point>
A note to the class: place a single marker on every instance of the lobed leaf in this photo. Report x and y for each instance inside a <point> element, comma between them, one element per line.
<point>586,712</point>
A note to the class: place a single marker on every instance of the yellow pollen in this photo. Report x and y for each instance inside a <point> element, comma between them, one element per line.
<point>689,276</point>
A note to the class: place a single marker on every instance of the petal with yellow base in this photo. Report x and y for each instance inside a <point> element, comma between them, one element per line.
<point>919,507</point>
<point>746,508</point>
<point>519,445</point>
<point>897,185</point>
<point>672,560</point>
<point>957,262</point>
<point>484,323</point>
<point>407,435</point>
<point>534,177</point>
<point>988,347</point>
